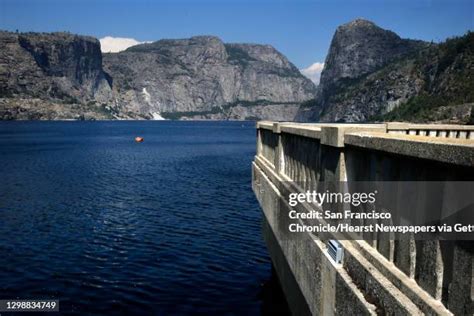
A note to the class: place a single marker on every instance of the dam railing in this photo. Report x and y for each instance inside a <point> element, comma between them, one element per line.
<point>377,276</point>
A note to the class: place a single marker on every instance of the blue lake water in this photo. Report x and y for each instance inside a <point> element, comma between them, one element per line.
<point>109,226</point>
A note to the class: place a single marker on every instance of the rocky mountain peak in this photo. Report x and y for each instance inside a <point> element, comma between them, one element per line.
<point>372,74</point>
<point>163,44</point>
<point>360,47</point>
<point>56,66</point>
<point>263,53</point>
<point>205,39</point>
<point>358,23</point>
<point>203,77</point>
<point>198,49</point>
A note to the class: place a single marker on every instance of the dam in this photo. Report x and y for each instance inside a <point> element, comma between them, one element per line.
<point>373,275</point>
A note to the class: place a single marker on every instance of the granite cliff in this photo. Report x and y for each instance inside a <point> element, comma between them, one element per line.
<point>358,48</point>
<point>371,74</point>
<point>202,77</point>
<point>65,76</point>
<point>50,76</point>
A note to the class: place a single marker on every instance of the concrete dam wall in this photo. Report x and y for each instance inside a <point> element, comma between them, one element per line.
<point>377,276</point>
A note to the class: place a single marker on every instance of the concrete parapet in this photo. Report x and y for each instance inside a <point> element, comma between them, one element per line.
<point>410,126</point>
<point>312,283</point>
<point>377,276</point>
<point>446,150</point>
<point>461,290</point>
<point>432,130</point>
<point>305,131</point>
<point>333,135</point>
<point>326,288</point>
<point>265,125</point>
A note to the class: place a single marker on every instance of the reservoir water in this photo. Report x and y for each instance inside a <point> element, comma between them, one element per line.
<point>106,225</point>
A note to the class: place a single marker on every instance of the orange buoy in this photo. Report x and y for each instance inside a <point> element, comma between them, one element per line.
<point>139,139</point>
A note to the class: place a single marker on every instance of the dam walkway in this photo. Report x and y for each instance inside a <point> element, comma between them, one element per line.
<point>375,276</point>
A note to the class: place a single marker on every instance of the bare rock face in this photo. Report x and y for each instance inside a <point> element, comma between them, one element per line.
<point>369,71</point>
<point>378,93</point>
<point>361,47</point>
<point>60,67</point>
<point>199,77</point>
<point>372,75</point>
<point>203,77</point>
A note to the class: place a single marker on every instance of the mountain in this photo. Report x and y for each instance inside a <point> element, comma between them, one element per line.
<point>202,77</point>
<point>445,90</point>
<point>55,75</point>
<point>371,74</point>
<point>65,76</point>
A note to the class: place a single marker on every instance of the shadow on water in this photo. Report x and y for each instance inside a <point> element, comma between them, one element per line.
<point>272,297</point>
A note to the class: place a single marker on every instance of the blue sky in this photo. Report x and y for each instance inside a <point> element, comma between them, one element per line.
<point>301,29</point>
